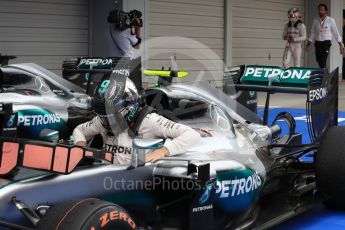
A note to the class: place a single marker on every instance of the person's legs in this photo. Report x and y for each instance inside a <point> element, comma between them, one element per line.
<point>321,52</point>
<point>326,48</point>
<point>287,57</point>
<point>317,52</point>
<point>296,54</point>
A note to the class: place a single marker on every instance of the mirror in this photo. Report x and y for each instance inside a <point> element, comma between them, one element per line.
<point>219,118</point>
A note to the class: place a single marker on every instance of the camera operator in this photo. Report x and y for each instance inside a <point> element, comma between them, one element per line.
<point>124,32</point>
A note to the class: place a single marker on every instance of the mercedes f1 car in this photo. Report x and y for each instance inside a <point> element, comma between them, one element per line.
<point>43,103</point>
<point>245,173</point>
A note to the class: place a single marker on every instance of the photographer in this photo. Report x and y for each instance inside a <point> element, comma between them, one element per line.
<point>124,32</point>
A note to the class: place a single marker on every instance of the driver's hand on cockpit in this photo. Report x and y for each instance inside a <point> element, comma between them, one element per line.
<point>156,154</point>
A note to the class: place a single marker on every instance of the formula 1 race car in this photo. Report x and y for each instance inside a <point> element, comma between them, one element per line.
<point>43,103</point>
<point>243,174</point>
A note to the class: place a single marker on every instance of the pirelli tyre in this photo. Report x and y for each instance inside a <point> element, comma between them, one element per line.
<point>88,214</point>
<point>330,167</point>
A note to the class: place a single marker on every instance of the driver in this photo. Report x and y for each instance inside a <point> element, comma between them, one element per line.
<point>126,120</point>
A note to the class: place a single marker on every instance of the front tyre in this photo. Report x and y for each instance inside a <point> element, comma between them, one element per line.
<point>88,214</point>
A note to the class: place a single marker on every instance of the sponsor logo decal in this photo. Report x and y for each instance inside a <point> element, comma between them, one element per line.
<point>59,92</point>
<point>33,120</point>
<point>317,94</point>
<point>202,208</point>
<point>11,89</point>
<point>108,217</point>
<point>237,187</point>
<point>265,72</point>
<point>118,149</point>
<point>96,61</point>
<point>291,76</point>
<point>10,121</point>
<point>206,195</point>
<point>10,124</point>
<point>124,72</point>
<point>250,102</point>
<point>205,201</point>
<point>258,72</point>
<point>41,85</point>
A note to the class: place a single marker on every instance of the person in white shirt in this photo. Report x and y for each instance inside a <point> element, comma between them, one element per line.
<point>120,118</point>
<point>294,33</point>
<point>322,31</point>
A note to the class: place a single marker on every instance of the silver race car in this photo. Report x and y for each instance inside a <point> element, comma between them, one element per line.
<point>244,174</point>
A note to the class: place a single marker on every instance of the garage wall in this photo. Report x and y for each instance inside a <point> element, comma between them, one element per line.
<point>257,28</point>
<point>44,31</point>
<point>99,26</point>
<point>200,20</point>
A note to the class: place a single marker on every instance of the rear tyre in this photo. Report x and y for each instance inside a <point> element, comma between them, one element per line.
<point>330,167</point>
<point>88,214</point>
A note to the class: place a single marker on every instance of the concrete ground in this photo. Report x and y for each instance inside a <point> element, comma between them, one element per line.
<point>297,101</point>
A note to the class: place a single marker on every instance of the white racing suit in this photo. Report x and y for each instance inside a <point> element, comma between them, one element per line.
<point>178,137</point>
<point>293,50</point>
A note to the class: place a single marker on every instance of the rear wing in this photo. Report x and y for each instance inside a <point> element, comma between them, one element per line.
<point>89,72</point>
<point>291,77</point>
<point>319,86</point>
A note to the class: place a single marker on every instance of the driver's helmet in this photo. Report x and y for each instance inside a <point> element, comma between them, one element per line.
<point>293,15</point>
<point>117,112</point>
